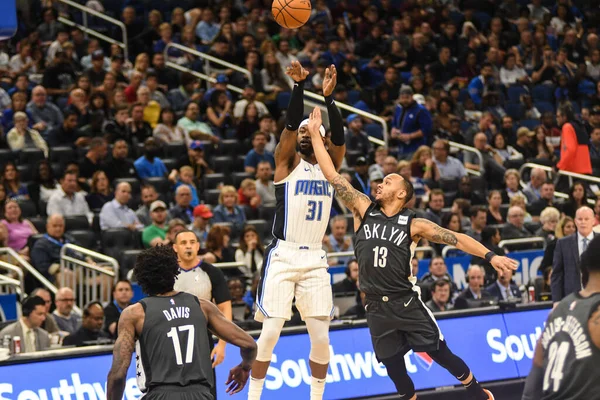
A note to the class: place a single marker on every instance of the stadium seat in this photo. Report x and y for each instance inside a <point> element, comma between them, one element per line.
<point>515,92</point>
<point>267,213</point>
<point>84,238</point>
<point>115,241</point>
<point>262,227</point>
<point>449,184</point>
<point>228,147</point>
<point>31,156</point>
<point>351,156</point>
<point>238,177</point>
<point>6,155</point>
<point>174,150</point>
<point>374,130</point>
<point>170,163</point>
<point>212,181</point>
<point>211,196</point>
<point>76,222</point>
<point>162,185</point>
<point>28,208</point>
<point>39,223</point>
<point>530,123</point>
<point>223,164</point>
<point>57,169</point>
<point>128,261</point>
<point>283,99</point>
<point>544,106</point>
<point>133,182</point>
<point>353,96</point>
<point>515,110</point>
<point>25,172</point>
<point>533,226</point>
<point>350,222</point>
<point>543,93</point>
<point>478,184</point>
<point>34,238</point>
<point>238,163</point>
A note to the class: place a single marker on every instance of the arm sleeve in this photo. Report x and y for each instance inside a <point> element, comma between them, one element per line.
<point>295,110</point>
<point>220,291</point>
<point>558,271</point>
<point>335,122</point>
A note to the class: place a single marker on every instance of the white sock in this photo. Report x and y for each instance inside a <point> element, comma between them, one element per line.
<point>255,388</point>
<point>317,387</point>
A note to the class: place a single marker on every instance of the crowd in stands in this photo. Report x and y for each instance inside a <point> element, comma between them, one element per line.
<point>119,154</point>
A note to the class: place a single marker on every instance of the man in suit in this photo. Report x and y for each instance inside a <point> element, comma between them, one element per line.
<point>474,291</point>
<point>440,296</point>
<point>348,284</point>
<point>504,289</point>
<point>90,332</point>
<point>566,275</point>
<point>515,229</point>
<point>33,338</point>
<point>437,270</point>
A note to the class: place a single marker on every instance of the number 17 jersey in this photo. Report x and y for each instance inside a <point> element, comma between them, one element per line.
<point>384,248</point>
<point>303,204</point>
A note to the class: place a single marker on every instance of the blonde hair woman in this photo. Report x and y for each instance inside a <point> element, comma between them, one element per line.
<point>228,211</point>
<point>422,165</point>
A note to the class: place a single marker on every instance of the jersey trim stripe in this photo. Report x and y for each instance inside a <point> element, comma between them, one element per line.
<point>263,281</point>
<point>285,210</point>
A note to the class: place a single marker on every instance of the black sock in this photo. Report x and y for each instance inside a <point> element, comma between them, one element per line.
<point>475,390</point>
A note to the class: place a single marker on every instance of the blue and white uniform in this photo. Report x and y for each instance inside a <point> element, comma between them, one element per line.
<point>295,264</point>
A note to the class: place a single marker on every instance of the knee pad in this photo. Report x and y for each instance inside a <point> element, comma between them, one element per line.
<point>396,369</point>
<point>269,335</point>
<point>318,331</point>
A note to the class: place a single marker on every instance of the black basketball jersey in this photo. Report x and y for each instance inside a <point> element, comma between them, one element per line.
<point>173,346</point>
<point>383,247</point>
<point>571,359</point>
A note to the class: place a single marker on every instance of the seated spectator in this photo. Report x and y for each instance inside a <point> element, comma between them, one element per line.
<point>183,209</point>
<point>122,293</point>
<point>265,188</point>
<point>349,283</point>
<point>478,222</point>
<point>49,324</point>
<point>21,137</point>
<point>185,94</point>
<point>533,187</point>
<point>448,166</point>
<point>503,149</point>
<point>504,288</point>
<point>479,85</point>
<point>67,201</point>
<point>90,333</point>
<point>117,128</point>
<point>549,219</point>
<point>466,192</point>
<point>531,111</point>
<point>67,133</point>
<point>511,73</point>
<point>236,290</point>
<point>258,153</point>
<point>151,107</point>
<point>92,162</point>
<point>138,130</point>
<point>595,150</point>
<point>19,103</point>
<point>337,241</point>
<point>28,327</point>
<point>356,138</point>
<point>116,213</point>
<point>577,199</point>
<point>515,228</point>
<point>175,227</point>
<point>273,79</point>
<point>148,196</point>
<point>491,167</point>
<point>540,146</point>
<point>45,183</point>
<point>512,180</point>
<point>360,178</point>
<point>19,229</point>
<point>440,296</point>
<point>410,133</point>
<point>167,131</point>
<point>475,276</point>
<point>44,115</point>
<point>437,270</point>
<point>11,180</point>
<point>119,166</point>
<point>495,215</point>
<point>566,226</point>
<point>68,321</point>
<point>193,127</point>
<point>195,159</point>
<point>250,252</point>
<point>434,206</point>
<point>248,97</point>
<point>185,177</point>
<point>546,199</point>
<point>519,201</point>
<point>523,145</point>
<point>101,192</point>
<point>423,166</point>
<point>229,211</point>
<point>219,112</point>
<point>248,124</point>
<point>217,245</point>
<point>155,234</point>
<point>202,224</point>
<point>150,165</point>
<point>155,93</point>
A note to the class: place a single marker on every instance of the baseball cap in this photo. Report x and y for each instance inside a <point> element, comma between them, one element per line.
<point>203,211</point>
<point>222,79</point>
<point>376,175</point>
<point>361,161</point>
<point>157,204</point>
<point>196,145</point>
<point>405,89</point>
<point>524,131</point>
<point>98,55</point>
<point>352,117</point>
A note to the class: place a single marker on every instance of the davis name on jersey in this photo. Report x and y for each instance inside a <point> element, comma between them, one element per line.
<point>177,312</point>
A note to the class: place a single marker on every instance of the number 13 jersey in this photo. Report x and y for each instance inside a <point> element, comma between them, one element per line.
<point>303,205</point>
<point>384,248</point>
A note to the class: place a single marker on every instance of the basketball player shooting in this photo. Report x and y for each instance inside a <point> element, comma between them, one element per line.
<point>295,264</point>
<point>386,234</point>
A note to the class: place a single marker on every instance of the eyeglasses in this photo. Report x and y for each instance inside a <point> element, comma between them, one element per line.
<point>66,300</point>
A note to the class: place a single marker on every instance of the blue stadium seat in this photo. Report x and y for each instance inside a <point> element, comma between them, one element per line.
<point>483,18</point>
<point>463,95</point>
<point>515,110</point>
<point>544,106</point>
<point>374,130</point>
<point>8,307</point>
<point>530,123</point>
<point>283,99</point>
<point>515,92</point>
<point>543,93</point>
<point>353,96</point>
<point>465,125</point>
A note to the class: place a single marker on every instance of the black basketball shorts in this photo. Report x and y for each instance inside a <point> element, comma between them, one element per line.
<point>172,392</point>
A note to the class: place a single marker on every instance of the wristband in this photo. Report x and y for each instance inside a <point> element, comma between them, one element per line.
<point>489,255</point>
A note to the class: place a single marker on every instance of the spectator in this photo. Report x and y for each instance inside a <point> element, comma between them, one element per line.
<point>248,198</point>
<point>21,137</point>
<point>93,160</point>
<point>435,206</point>
<point>49,324</point>
<point>67,201</point>
<point>229,211</point>
<point>97,72</point>
<point>595,151</point>
<point>155,94</point>
<point>491,165</point>
<point>515,228</point>
<point>68,321</point>
<point>67,134</point>
<point>360,180</point>
<point>411,125</point>
<point>116,214</point>
<point>44,115</point>
<point>218,112</point>
<point>423,166</point>
<point>577,199</point>
<point>182,209</point>
<point>138,130</point>
<point>217,245</point>
<point>167,131</point>
<point>186,94</point>
<point>549,219</point>
<point>155,234</point>
<point>440,296</point>
<point>478,222</point>
<point>337,241</point>
<point>523,145</point>
<point>194,128</point>
<point>448,166</point>
<point>597,212</point>
<point>437,270</point>
<point>512,180</point>
<point>19,103</point>
<point>265,187</point>
<point>533,188</point>
<point>201,225</point>
<point>566,275</point>
<point>356,138</point>
<point>504,288</point>
<point>547,199</point>
<point>574,151</point>
<point>495,214</point>
<point>207,29</point>
<point>475,276</point>
<point>236,290</point>
<point>151,107</point>
<point>248,124</point>
<point>90,333</point>
<point>122,293</point>
<point>519,201</point>
<point>504,150</point>
<point>11,180</point>
<point>45,183</point>
<point>485,125</point>
<point>511,73</point>
<point>101,192</point>
<point>195,159</point>
<point>250,252</point>
<point>479,85</point>
<point>19,229</point>
<point>462,208</point>
<point>258,153</point>
<point>119,165</point>
<point>249,97</point>
<point>28,327</point>
<point>185,177</point>
<point>150,165</point>
<point>349,283</point>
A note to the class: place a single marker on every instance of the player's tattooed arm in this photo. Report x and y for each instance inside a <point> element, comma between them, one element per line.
<point>433,232</point>
<point>122,352</point>
<point>356,201</point>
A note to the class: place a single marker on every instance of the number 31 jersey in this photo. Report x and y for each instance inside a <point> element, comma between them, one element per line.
<point>303,205</point>
<point>384,248</point>
<point>173,348</point>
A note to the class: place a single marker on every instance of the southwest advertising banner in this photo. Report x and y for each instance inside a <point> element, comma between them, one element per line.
<point>496,346</point>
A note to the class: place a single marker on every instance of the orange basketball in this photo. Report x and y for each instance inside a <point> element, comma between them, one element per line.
<point>291,14</point>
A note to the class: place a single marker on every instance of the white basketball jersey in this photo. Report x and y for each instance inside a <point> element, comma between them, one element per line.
<point>303,205</point>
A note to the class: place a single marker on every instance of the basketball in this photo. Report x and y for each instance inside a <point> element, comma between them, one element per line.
<point>291,14</point>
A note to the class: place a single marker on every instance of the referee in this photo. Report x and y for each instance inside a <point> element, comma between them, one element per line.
<point>204,281</point>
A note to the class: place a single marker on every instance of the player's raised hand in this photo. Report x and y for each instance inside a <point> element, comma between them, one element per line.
<point>330,80</point>
<point>238,376</point>
<point>314,122</point>
<point>296,72</point>
<point>504,264</point>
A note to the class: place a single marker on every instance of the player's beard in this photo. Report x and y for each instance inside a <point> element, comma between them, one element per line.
<point>307,152</point>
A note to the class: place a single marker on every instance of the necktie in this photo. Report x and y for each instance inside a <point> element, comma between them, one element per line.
<point>585,244</point>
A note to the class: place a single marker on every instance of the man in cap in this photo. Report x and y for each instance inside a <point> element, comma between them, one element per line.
<point>195,159</point>
<point>356,138</point>
<point>201,225</point>
<point>360,178</point>
<point>156,233</point>
<point>220,84</point>
<point>97,73</point>
<point>411,125</point>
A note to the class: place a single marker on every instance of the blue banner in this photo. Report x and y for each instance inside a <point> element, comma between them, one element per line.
<point>8,22</point>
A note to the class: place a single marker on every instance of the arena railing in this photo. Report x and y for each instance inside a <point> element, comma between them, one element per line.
<point>88,31</point>
<point>505,244</point>
<point>90,280</point>
<point>16,270</point>
<point>471,150</point>
<point>9,286</point>
<point>569,175</point>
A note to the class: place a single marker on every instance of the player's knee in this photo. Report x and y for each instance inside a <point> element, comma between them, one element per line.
<point>269,335</point>
<point>396,369</point>
<point>318,331</point>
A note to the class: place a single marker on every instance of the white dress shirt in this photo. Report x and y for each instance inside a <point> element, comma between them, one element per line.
<point>28,341</point>
<point>60,203</point>
<point>580,241</point>
<point>117,215</point>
